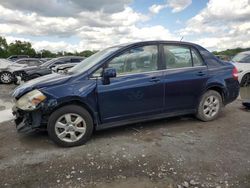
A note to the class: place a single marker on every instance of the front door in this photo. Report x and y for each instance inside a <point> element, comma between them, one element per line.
<point>138,88</point>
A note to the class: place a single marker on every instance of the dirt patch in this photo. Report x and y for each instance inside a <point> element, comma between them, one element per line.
<point>165,153</point>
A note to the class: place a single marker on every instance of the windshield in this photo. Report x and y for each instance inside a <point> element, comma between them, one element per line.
<point>92,60</point>
<point>242,58</point>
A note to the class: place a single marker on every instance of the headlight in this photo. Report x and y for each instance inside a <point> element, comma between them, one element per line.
<point>30,100</point>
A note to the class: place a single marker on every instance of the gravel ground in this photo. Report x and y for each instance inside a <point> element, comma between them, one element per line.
<point>174,152</point>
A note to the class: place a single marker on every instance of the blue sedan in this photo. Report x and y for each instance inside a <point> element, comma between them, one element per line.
<point>125,84</point>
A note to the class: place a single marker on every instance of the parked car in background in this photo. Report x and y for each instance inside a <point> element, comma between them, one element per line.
<point>45,59</point>
<point>3,62</point>
<point>126,84</point>
<point>45,68</point>
<point>8,67</point>
<point>242,62</point>
<point>63,68</point>
<point>16,57</point>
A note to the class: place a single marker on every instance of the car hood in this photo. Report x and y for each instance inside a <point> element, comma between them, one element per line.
<point>20,68</point>
<point>4,65</point>
<point>11,65</point>
<point>41,82</point>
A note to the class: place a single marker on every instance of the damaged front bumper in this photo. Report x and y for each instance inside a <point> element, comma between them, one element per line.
<point>27,122</point>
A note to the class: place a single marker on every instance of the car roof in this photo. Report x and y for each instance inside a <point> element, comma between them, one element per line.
<point>70,57</point>
<point>157,41</point>
<point>28,59</point>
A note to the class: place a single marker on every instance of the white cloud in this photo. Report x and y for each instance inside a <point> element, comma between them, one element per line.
<point>221,25</point>
<point>175,5</point>
<point>95,30</point>
<point>178,5</point>
<point>65,8</point>
<point>155,9</point>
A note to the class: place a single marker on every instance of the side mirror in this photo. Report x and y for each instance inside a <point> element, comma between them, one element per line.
<point>107,74</point>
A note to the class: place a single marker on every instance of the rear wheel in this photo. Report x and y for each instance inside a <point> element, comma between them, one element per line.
<point>210,106</point>
<point>70,125</point>
<point>245,80</point>
<point>6,77</point>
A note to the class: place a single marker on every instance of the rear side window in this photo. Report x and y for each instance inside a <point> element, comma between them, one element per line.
<point>177,56</point>
<point>197,61</point>
<point>136,60</point>
<point>181,57</point>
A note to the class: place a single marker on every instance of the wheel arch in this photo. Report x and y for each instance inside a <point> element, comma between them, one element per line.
<point>246,73</point>
<point>81,104</point>
<point>219,89</point>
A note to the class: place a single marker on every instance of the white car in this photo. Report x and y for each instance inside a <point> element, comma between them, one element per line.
<point>8,67</point>
<point>242,63</point>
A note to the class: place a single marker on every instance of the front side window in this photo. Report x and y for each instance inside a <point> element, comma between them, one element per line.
<point>136,60</point>
<point>177,56</point>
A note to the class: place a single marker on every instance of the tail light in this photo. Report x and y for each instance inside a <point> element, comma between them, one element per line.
<point>235,73</point>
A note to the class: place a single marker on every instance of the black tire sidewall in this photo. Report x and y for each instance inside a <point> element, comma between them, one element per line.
<point>243,79</point>
<point>70,109</point>
<point>200,114</point>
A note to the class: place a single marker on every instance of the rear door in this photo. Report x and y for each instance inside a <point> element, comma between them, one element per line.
<point>185,77</point>
<point>138,88</point>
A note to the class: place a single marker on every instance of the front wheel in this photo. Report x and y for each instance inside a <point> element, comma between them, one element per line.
<point>210,106</point>
<point>70,125</point>
<point>6,77</point>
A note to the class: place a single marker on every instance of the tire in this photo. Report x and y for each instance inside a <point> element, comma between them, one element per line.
<point>62,123</point>
<point>6,77</point>
<point>245,81</point>
<point>210,106</point>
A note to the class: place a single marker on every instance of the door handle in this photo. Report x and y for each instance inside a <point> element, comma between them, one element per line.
<point>155,79</point>
<point>201,73</point>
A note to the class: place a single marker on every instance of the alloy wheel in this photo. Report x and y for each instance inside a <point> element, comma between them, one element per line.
<point>6,77</point>
<point>70,127</point>
<point>211,106</point>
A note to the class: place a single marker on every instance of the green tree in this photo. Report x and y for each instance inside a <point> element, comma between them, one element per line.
<point>3,47</point>
<point>231,52</point>
<point>21,48</point>
<point>46,53</point>
<point>87,53</point>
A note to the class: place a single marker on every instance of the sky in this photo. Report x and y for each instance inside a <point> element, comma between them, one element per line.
<point>77,25</point>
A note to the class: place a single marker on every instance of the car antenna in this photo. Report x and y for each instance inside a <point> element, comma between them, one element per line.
<point>181,38</point>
